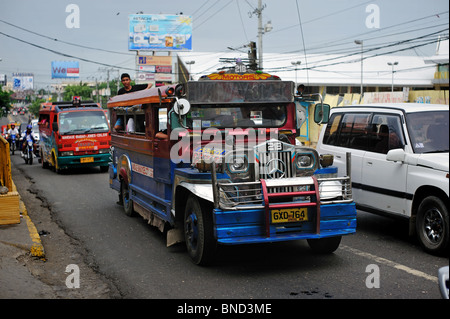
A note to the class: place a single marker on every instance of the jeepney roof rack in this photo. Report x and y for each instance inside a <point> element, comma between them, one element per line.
<point>69,104</point>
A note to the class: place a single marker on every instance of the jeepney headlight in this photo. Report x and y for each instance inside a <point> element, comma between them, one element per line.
<point>103,150</point>
<point>303,161</point>
<point>68,153</point>
<point>238,164</point>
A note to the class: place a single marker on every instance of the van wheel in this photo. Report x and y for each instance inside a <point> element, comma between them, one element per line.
<point>127,202</point>
<point>198,231</point>
<point>432,225</point>
<point>325,245</point>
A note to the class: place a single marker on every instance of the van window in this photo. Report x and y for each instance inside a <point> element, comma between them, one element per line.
<point>385,133</point>
<point>348,130</point>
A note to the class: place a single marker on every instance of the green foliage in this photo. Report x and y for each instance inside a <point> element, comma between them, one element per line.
<point>34,107</point>
<point>82,90</point>
<point>5,102</point>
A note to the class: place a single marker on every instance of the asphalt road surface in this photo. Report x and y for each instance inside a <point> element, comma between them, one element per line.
<point>380,261</point>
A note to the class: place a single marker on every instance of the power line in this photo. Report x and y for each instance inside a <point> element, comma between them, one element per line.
<point>65,42</point>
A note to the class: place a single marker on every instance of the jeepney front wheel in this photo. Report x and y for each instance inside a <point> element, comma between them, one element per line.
<point>198,231</point>
<point>325,245</point>
<point>127,202</point>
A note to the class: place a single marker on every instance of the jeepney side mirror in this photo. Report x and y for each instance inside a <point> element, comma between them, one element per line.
<point>181,108</point>
<point>321,113</point>
<point>55,126</point>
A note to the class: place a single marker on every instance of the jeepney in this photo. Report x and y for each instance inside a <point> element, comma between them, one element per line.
<point>73,134</point>
<point>228,171</point>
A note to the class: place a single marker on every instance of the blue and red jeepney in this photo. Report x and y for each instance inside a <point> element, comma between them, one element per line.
<point>215,161</point>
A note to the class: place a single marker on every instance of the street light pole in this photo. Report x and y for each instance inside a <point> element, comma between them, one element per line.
<point>393,64</point>
<point>361,43</point>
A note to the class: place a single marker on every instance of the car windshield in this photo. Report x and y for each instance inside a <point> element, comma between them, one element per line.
<point>428,131</point>
<point>82,122</point>
<point>238,115</point>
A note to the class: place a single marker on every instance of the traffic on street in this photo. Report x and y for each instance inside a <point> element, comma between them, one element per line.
<point>379,261</point>
<point>228,157</point>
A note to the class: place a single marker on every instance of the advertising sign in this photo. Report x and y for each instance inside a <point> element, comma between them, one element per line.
<point>22,81</point>
<point>65,69</point>
<point>160,32</point>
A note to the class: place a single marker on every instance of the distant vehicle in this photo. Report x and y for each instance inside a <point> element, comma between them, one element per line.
<point>74,134</point>
<point>400,163</point>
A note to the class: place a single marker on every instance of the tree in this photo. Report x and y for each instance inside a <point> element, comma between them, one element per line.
<point>35,106</point>
<point>5,102</point>
<point>81,90</point>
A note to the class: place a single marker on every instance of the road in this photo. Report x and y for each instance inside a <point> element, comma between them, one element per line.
<point>380,261</point>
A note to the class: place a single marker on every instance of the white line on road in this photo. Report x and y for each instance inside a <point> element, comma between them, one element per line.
<point>389,263</point>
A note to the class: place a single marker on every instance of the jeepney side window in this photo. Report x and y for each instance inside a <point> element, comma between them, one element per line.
<point>44,120</point>
<point>119,124</point>
<point>161,129</point>
<point>140,123</point>
<point>55,119</point>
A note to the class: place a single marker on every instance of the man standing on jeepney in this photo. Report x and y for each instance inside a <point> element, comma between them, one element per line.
<point>128,88</point>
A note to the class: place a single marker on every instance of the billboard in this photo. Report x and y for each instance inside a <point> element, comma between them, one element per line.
<point>65,69</point>
<point>22,81</point>
<point>160,32</point>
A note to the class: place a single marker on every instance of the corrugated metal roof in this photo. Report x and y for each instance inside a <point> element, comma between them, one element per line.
<point>327,70</point>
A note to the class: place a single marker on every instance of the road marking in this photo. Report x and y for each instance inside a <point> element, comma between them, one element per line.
<point>390,263</point>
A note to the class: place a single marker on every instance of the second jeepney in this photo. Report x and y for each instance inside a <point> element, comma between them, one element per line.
<point>216,161</point>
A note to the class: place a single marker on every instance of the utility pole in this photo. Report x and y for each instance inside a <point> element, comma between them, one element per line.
<point>260,33</point>
<point>258,12</point>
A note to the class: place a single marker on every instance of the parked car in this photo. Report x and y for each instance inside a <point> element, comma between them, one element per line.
<point>399,162</point>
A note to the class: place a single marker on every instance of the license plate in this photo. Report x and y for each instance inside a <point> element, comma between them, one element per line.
<point>289,215</point>
<point>86,160</point>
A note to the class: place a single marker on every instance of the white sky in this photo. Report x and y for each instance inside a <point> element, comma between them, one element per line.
<point>328,27</point>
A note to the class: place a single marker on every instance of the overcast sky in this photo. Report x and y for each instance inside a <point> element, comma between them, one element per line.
<point>327,26</point>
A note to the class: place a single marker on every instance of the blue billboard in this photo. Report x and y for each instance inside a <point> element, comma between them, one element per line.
<point>65,69</point>
<point>160,32</point>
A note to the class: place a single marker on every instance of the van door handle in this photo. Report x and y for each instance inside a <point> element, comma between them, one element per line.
<point>369,163</point>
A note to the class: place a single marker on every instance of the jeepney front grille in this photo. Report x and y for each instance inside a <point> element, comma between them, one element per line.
<point>275,165</point>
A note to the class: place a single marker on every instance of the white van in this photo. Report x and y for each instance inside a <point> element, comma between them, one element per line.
<point>399,162</point>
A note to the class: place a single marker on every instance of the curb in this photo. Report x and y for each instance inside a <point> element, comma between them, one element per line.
<point>36,249</point>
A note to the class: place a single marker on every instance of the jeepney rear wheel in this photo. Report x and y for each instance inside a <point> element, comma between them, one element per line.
<point>127,202</point>
<point>325,245</point>
<point>198,231</point>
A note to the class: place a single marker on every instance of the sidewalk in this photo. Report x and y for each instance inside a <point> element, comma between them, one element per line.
<point>16,241</point>
<point>23,236</point>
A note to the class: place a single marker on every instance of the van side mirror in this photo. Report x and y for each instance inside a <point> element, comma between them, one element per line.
<point>321,113</point>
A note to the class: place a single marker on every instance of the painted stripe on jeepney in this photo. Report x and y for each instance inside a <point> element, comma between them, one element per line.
<point>144,170</point>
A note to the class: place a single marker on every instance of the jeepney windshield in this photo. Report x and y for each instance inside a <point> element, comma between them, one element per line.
<point>238,115</point>
<point>82,122</point>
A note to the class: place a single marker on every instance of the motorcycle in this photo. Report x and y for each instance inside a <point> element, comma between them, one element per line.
<point>28,154</point>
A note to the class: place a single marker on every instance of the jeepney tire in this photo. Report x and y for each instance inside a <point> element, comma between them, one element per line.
<point>43,162</point>
<point>325,245</point>
<point>432,225</point>
<point>127,202</point>
<point>55,166</point>
<point>198,231</point>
